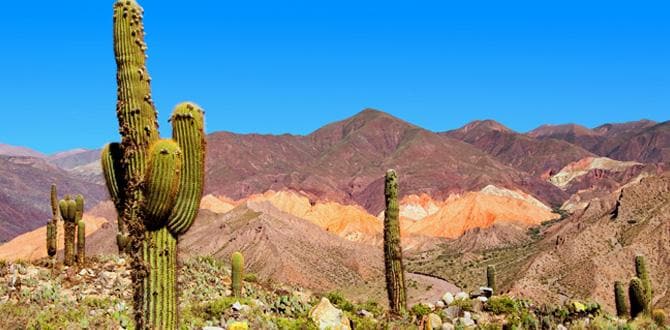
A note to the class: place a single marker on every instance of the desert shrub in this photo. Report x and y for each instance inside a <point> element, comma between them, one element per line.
<point>250,277</point>
<point>420,310</point>
<point>337,299</point>
<point>502,305</point>
<point>283,323</point>
<point>213,310</point>
<point>372,307</point>
<point>659,317</point>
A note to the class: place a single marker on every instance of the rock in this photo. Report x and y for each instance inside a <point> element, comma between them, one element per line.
<point>447,326</point>
<point>467,315</point>
<point>237,307</point>
<point>452,312</point>
<point>486,292</point>
<point>213,328</point>
<point>439,304</point>
<point>448,298</point>
<point>365,314</point>
<point>462,296</point>
<point>477,305</point>
<point>561,327</point>
<point>483,299</point>
<point>107,279</point>
<point>434,321</point>
<point>327,316</point>
<point>466,322</point>
<point>430,306</point>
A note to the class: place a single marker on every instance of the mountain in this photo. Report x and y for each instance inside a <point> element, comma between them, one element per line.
<point>24,193</point>
<point>583,255</point>
<point>643,141</point>
<point>9,150</point>
<point>345,162</point>
<point>539,157</point>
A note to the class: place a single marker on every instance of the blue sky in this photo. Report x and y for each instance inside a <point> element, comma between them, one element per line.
<point>293,66</point>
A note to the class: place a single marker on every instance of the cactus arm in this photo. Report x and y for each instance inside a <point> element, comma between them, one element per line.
<point>110,159</point>
<point>188,131</point>
<point>162,182</point>
<point>52,226</point>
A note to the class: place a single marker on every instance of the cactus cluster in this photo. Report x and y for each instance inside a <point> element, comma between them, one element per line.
<point>640,292</point>
<point>237,270</point>
<point>393,265</point>
<point>72,211</point>
<point>156,185</point>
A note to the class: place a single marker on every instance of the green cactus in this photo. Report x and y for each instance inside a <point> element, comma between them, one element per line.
<point>156,185</point>
<point>620,300</point>
<point>395,276</point>
<point>81,229</point>
<point>491,277</point>
<point>52,225</point>
<point>643,274</point>
<point>639,303</point>
<point>237,265</point>
<point>68,210</point>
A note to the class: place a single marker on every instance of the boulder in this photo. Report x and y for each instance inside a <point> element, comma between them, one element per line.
<point>433,322</point>
<point>452,312</point>
<point>327,316</point>
<point>462,296</point>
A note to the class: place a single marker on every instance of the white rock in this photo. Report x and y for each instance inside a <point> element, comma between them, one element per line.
<point>483,299</point>
<point>467,315</point>
<point>327,316</point>
<point>447,326</point>
<point>462,296</point>
<point>213,328</point>
<point>561,327</point>
<point>466,322</point>
<point>448,298</point>
<point>435,321</point>
<point>439,304</point>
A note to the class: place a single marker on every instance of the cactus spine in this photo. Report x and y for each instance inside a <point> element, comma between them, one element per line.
<point>68,210</point>
<point>52,226</point>
<point>620,300</point>
<point>156,184</point>
<point>639,303</point>
<point>81,229</point>
<point>237,265</point>
<point>491,277</point>
<point>395,276</point>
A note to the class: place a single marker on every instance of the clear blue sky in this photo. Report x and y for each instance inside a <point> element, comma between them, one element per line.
<point>292,66</point>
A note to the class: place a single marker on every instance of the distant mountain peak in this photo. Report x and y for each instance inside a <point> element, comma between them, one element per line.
<point>562,129</point>
<point>487,124</point>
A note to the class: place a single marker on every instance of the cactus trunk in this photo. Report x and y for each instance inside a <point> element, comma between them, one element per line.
<point>639,304</point>
<point>81,242</point>
<point>620,300</point>
<point>52,226</point>
<point>395,276</point>
<point>68,212</point>
<point>156,185</point>
<point>643,274</point>
<point>237,266</point>
<point>491,277</point>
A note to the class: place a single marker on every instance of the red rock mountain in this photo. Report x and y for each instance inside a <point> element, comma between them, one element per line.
<point>532,155</point>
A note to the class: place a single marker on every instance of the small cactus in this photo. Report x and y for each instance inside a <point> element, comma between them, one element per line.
<point>52,225</point>
<point>68,210</point>
<point>237,265</point>
<point>491,277</point>
<point>639,304</point>
<point>395,276</point>
<point>620,300</point>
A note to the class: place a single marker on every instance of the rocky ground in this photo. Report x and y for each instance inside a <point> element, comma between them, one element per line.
<point>97,295</point>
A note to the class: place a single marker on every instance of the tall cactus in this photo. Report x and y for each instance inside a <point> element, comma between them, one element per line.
<point>156,184</point>
<point>395,276</point>
<point>491,277</point>
<point>643,274</point>
<point>639,302</point>
<point>81,229</point>
<point>620,299</point>
<point>237,267</point>
<point>52,225</point>
<point>68,210</point>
